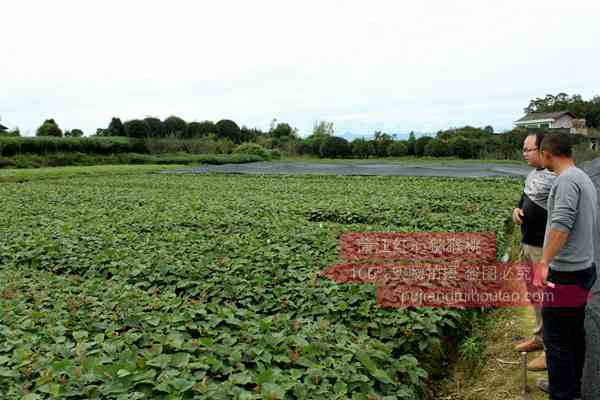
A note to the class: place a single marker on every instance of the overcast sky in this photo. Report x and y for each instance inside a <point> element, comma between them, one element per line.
<point>394,66</point>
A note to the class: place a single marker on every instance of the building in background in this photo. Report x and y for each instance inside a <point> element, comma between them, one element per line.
<point>553,120</point>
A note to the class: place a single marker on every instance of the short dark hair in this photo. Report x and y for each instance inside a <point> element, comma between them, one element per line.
<point>559,144</point>
<point>539,137</point>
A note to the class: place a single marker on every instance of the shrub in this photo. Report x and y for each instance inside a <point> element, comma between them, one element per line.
<point>225,146</point>
<point>275,154</point>
<point>47,145</point>
<point>253,148</point>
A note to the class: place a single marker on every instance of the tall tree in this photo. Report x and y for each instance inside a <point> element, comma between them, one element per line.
<point>49,128</point>
<point>137,128</point>
<point>115,128</point>
<point>175,126</point>
<point>323,128</point>
<point>156,126</point>
<point>226,128</point>
<point>283,130</point>
<point>410,144</point>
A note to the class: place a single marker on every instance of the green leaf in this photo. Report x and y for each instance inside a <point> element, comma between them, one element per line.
<point>272,391</point>
<point>123,373</point>
<point>180,360</point>
<point>182,384</point>
<point>161,361</point>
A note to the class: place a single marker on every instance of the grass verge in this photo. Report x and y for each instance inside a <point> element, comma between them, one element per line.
<point>24,175</point>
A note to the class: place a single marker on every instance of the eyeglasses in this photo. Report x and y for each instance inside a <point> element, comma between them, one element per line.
<point>529,150</point>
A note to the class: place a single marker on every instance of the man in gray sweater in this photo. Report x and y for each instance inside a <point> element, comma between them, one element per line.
<point>566,270</point>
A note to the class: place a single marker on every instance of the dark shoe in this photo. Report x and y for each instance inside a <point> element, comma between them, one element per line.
<point>543,385</point>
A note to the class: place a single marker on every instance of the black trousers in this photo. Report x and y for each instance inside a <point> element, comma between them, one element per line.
<point>563,313</point>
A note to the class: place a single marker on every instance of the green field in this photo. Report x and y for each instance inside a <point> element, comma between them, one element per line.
<point>141,286</point>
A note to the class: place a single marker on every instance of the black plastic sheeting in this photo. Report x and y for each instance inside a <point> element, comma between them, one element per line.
<point>368,169</point>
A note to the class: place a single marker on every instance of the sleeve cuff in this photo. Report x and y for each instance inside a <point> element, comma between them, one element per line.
<point>559,226</point>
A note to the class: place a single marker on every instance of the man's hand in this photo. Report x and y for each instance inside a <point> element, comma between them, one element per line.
<point>517,216</point>
<point>540,273</point>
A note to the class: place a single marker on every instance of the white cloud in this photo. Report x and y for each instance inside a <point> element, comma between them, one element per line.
<point>396,66</point>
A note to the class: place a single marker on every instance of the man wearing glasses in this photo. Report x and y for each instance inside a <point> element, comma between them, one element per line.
<point>531,214</point>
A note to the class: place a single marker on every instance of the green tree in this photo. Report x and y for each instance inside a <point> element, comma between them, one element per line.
<point>208,127</point>
<point>115,128</point>
<point>410,144</point>
<point>334,147</point>
<point>323,128</point>
<point>227,128</point>
<point>175,126</point>
<point>489,129</point>
<point>437,148</point>
<point>420,145</point>
<point>137,128</point>
<point>156,126</point>
<point>468,132</point>
<point>74,133</point>
<point>362,148</point>
<point>397,148</point>
<point>49,128</point>
<point>381,141</point>
<point>250,134</point>
<point>588,109</point>
<point>283,130</point>
<point>461,147</point>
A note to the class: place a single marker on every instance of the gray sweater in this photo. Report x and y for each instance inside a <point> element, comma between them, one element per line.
<point>573,209</point>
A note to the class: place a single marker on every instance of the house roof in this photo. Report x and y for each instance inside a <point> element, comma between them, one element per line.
<point>3,128</point>
<point>541,116</point>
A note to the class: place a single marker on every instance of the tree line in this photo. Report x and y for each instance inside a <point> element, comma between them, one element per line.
<point>464,142</point>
